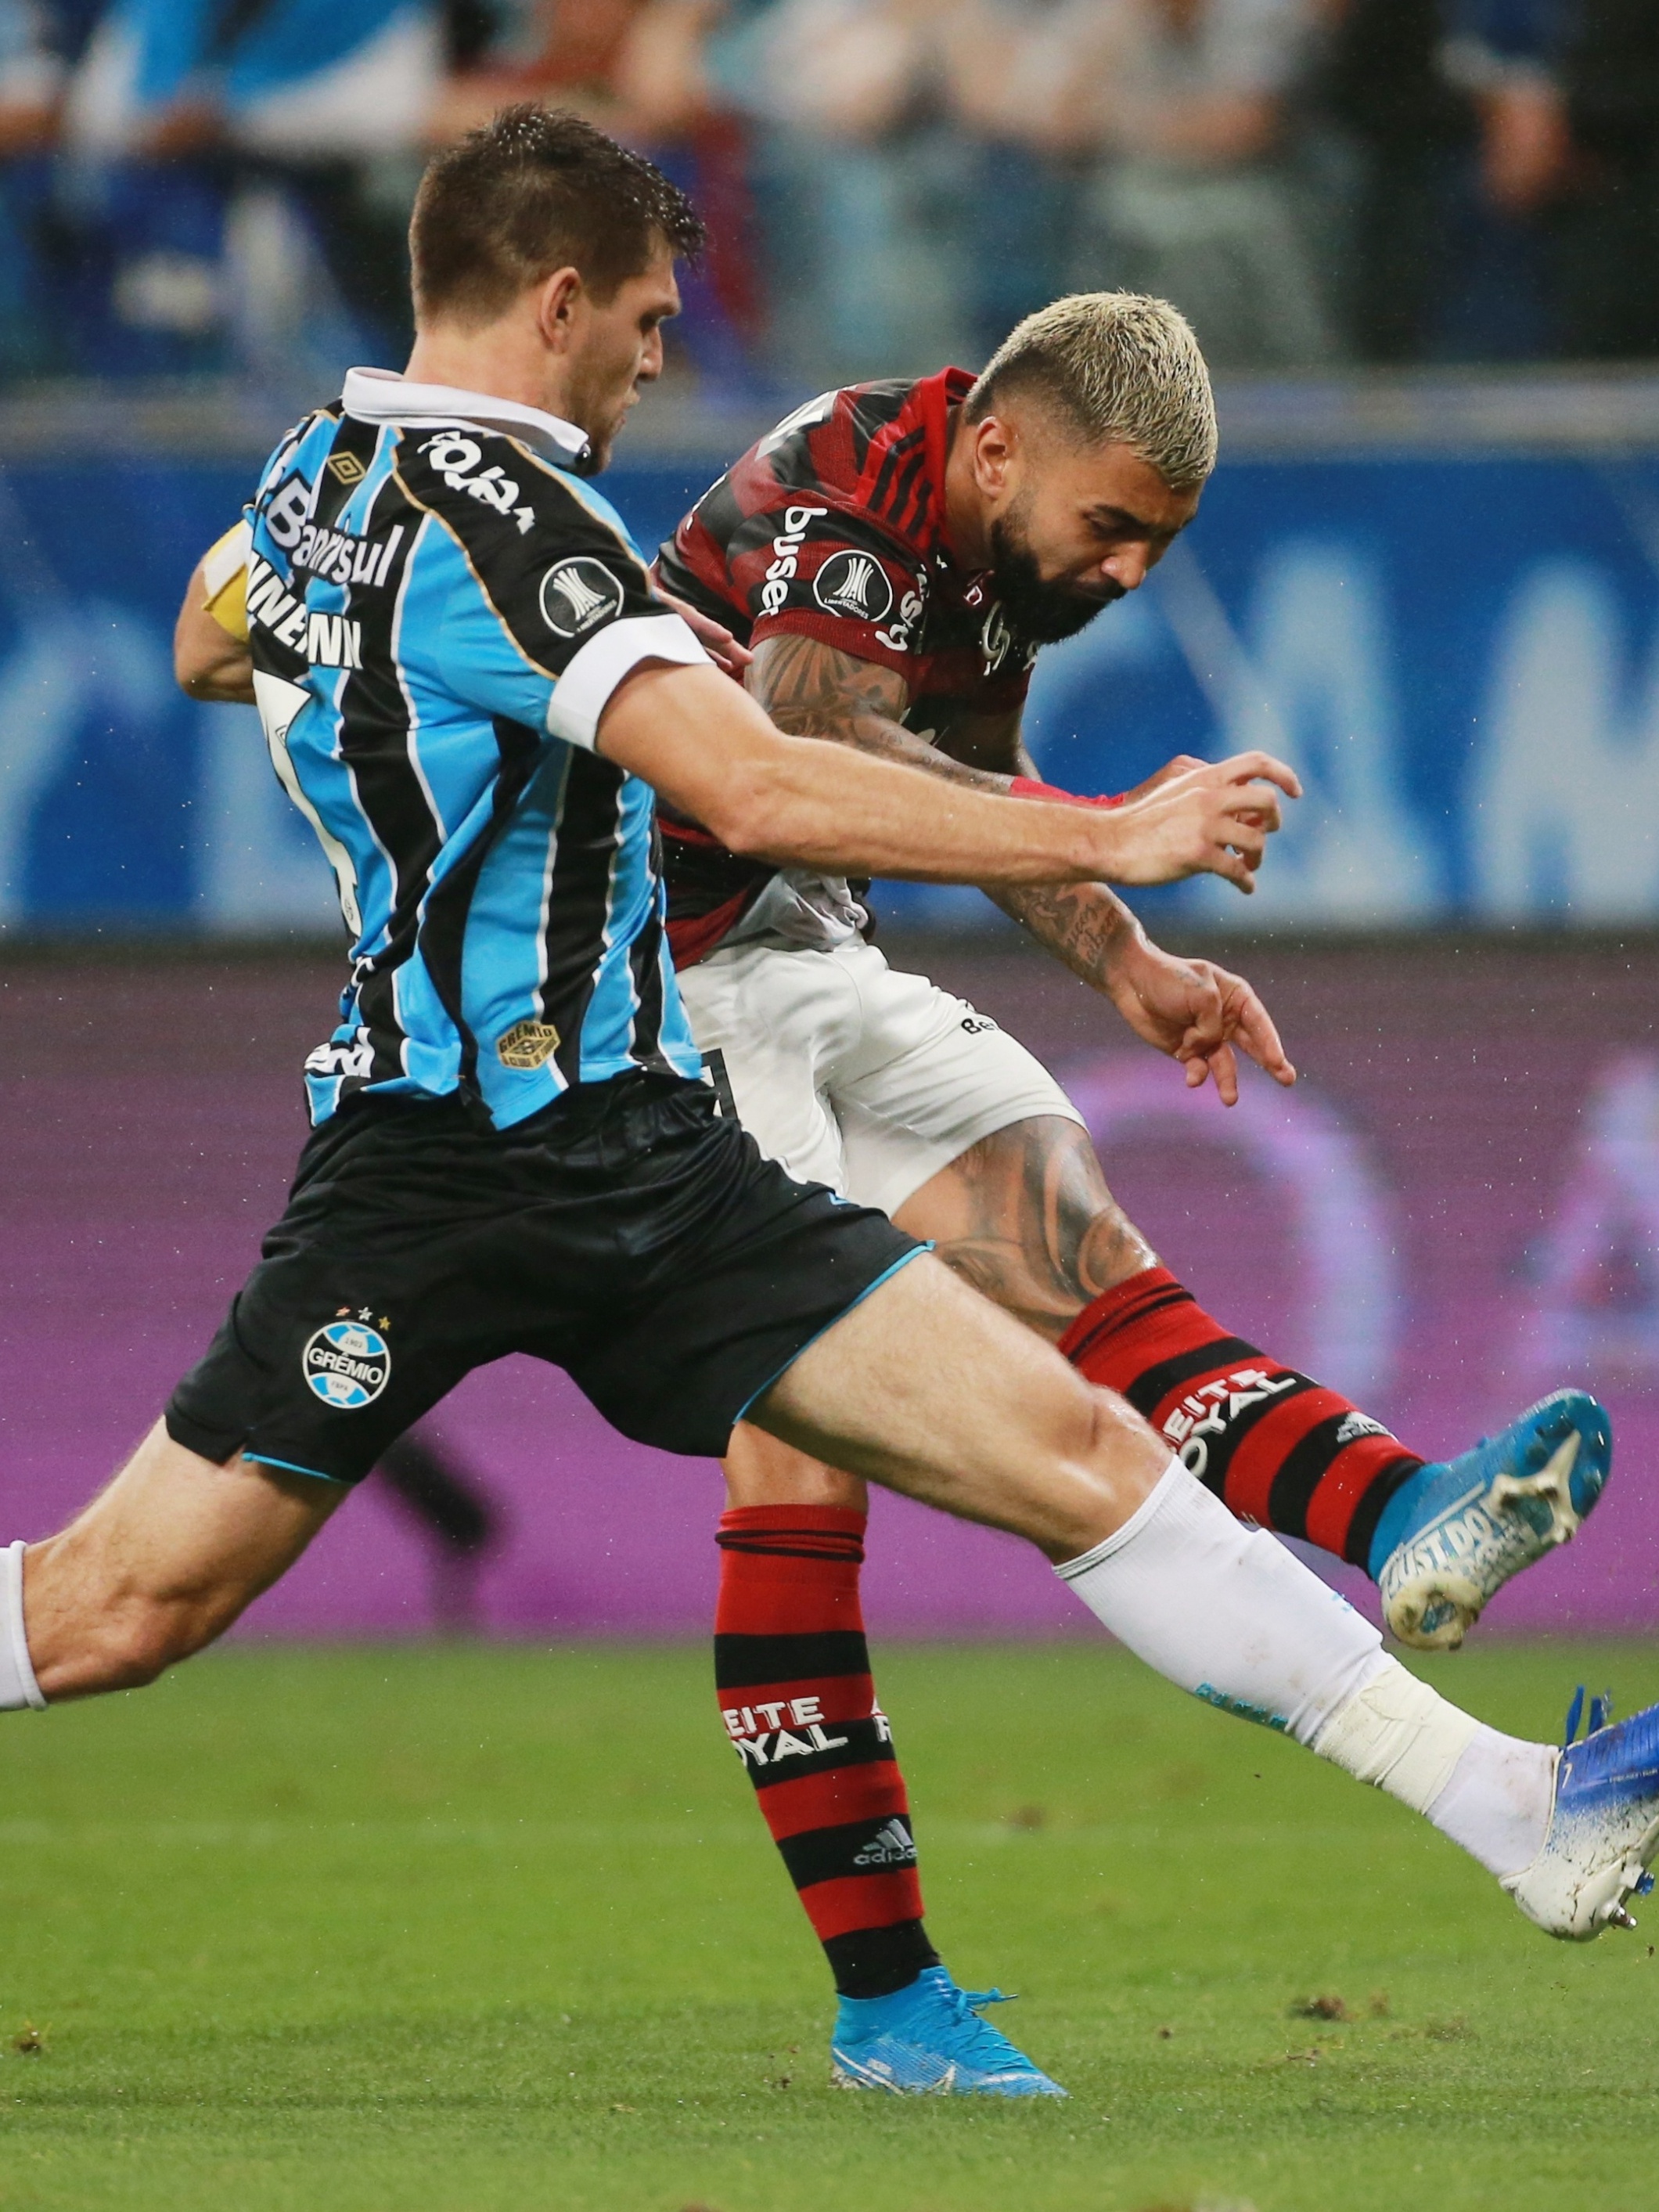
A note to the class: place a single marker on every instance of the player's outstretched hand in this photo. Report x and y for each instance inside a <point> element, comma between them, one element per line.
<point>1197,1013</point>
<point>1214,819</point>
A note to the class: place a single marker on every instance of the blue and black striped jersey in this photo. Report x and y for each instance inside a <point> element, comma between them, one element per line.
<point>439,610</point>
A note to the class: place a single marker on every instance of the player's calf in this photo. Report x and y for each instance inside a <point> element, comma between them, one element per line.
<point>791,1670</point>
<point>1439,1537</point>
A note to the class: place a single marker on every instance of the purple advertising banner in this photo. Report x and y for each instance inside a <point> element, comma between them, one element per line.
<point>1456,1209</point>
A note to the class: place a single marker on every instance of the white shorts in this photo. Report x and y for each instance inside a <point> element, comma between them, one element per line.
<point>849,1074</point>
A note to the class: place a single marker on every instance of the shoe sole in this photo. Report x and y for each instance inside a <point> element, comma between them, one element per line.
<point>1434,1609</point>
<point>1607,1893</point>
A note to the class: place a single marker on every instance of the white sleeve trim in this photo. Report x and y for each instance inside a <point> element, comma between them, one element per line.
<point>583,692</point>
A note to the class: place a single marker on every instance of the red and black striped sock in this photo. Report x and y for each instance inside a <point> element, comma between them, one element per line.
<point>793,1676</point>
<point>1274,1446</point>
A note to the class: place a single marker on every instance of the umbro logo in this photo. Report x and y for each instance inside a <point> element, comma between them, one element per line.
<point>578,595</point>
<point>855,584</point>
<point>892,1845</point>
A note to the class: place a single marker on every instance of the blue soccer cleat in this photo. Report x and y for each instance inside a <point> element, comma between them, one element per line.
<point>928,2040</point>
<point>1603,1830</point>
<point>1456,1532</point>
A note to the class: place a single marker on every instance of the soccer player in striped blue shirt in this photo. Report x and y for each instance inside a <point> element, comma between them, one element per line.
<point>470,688</point>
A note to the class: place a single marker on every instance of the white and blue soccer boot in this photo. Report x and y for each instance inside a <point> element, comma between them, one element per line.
<point>928,2040</point>
<point>1456,1532</point>
<point>1604,1828</point>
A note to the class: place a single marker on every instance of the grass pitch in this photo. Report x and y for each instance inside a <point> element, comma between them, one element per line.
<point>499,1930</point>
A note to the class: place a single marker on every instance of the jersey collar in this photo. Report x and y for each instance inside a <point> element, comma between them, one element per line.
<point>380,395</point>
<point>934,399</point>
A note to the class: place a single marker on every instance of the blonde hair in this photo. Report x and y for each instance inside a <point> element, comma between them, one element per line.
<point>1118,367</point>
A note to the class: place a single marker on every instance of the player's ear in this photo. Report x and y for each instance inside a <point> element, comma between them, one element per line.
<point>995,443</point>
<point>559,300</point>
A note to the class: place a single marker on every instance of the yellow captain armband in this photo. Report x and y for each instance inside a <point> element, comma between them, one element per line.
<point>224,572</point>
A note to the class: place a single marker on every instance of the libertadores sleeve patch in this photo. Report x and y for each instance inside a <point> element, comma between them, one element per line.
<point>820,567</point>
<point>568,592</point>
<point>553,570</point>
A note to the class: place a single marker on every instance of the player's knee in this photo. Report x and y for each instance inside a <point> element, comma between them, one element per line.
<point>761,1470</point>
<point>1122,1459</point>
<point>1110,1249</point>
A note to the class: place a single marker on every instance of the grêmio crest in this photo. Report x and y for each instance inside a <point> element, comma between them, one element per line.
<point>527,1044</point>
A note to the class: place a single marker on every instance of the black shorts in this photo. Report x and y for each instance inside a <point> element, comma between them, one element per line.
<point>630,1234</point>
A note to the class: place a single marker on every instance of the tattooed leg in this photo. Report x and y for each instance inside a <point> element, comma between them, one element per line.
<point>1026,1217</point>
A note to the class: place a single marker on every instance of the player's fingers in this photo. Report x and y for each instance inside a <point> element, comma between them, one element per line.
<point>1256,766</point>
<point>1252,1029</point>
<point>1206,1020</point>
<point>1253,808</point>
<point>1196,1070</point>
<point>1225,1068</point>
<point>1233,867</point>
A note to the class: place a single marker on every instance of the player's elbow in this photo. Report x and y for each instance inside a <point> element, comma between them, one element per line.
<point>218,683</point>
<point>194,683</point>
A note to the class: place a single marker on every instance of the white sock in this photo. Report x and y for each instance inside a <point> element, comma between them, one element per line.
<point>1498,1801</point>
<point>18,1687</point>
<point>1226,1611</point>
<point>1489,1793</point>
<point>1232,1616</point>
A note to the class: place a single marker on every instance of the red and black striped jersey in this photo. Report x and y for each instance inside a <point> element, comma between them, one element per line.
<point>833,526</point>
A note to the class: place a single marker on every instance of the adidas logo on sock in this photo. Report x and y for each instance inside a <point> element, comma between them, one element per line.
<point>892,1845</point>
<point>1360,1424</point>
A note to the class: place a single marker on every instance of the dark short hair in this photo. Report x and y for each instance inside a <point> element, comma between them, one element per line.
<point>534,190</point>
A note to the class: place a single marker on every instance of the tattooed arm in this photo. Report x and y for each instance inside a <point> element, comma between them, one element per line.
<point>1189,1009</point>
<point>812,690</point>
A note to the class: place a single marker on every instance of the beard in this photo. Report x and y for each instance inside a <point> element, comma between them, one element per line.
<point>1039,611</point>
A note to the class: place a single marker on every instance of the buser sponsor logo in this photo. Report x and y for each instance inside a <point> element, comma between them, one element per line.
<point>786,556</point>
<point>527,1044</point>
<point>898,635</point>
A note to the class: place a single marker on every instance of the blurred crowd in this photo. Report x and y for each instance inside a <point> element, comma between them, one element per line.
<point>221,187</point>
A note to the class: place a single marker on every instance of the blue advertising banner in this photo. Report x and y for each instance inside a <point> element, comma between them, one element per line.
<point>1461,657</point>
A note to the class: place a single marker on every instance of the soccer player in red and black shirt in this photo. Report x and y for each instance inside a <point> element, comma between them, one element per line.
<point>895,555</point>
